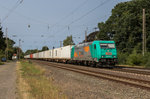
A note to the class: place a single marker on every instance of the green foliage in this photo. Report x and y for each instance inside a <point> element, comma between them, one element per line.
<point>135,59</point>
<point>10,48</point>
<point>103,35</point>
<point>2,40</point>
<point>30,70</point>
<point>1,54</point>
<point>124,26</point>
<point>3,46</point>
<point>16,50</point>
<point>68,41</point>
<point>148,63</point>
<point>1,63</point>
<point>122,58</point>
<point>31,51</point>
<point>44,48</point>
<point>146,60</point>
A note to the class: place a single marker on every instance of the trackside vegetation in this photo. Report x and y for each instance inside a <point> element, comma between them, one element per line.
<point>134,59</point>
<point>37,86</point>
<point>124,26</point>
<point>11,48</point>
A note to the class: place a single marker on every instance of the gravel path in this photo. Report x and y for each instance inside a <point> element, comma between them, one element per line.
<point>8,81</point>
<point>79,86</point>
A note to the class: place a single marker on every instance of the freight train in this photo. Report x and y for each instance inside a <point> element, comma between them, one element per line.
<point>96,54</point>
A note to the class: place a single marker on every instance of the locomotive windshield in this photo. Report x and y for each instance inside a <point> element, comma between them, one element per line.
<point>107,45</point>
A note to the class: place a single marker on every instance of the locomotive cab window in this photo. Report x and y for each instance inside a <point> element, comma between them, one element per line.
<point>104,46</point>
<point>111,45</point>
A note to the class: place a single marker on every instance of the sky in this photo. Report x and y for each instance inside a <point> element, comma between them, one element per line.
<point>41,23</point>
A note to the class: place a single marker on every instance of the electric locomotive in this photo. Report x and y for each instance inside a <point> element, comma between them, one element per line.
<point>96,53</point>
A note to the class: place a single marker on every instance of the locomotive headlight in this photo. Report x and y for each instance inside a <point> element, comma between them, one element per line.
<point>104,60</point>
<point>115,60</point>
<point>102,56</point>
<point>114,56</point>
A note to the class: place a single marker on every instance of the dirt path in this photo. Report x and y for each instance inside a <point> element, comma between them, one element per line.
<point>8,81</point>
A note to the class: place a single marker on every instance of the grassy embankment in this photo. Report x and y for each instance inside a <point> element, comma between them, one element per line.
<point>1,63</point>
<point>32,84</point>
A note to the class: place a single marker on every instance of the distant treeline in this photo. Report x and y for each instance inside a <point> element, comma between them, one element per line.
<point>11,49</point>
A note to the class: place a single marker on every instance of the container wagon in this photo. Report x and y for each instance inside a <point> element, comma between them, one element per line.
<point>96,53</point>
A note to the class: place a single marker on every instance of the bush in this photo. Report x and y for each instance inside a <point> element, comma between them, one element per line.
<point>1,63</point>
<point>146,60</point>
<point>122,58</point>
<point>148,63</point>
<point>135,58</point>
<point>1,54</point>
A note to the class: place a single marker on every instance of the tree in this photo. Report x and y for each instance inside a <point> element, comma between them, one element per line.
<point>31,51</point>
<point>2,40</point>
<point>124,26</point>
<point>16,50</point>
<point>103,34</point>
<point>44,48</point>
<point>2,44</point>
<point>68,41</point>
<point>10,48</point>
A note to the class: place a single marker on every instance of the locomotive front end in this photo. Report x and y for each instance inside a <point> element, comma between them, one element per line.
<point>108,53</point>
<point>104,52</point>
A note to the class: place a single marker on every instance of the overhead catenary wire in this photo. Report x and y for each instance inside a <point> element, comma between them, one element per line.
<point>11,10</point>
<point>87,13</point>
<point>37,20</point>
<point>71,13</point>
<point>101,4</point>
<point>62,18</point>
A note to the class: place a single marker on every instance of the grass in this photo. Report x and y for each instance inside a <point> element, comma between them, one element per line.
<point>1,63</point>
<point>39,87</point>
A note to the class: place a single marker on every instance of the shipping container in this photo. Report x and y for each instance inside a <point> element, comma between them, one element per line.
<point>47,54</point>
<point>62,53</point>
<point>34,55</point>
<point>66,52</point>
<point>31,55</point>
<point>27,56</point>
<point>56,53</point>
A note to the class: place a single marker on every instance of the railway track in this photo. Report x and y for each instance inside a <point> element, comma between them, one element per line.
<point>133,70</point>
<point>133,79</point>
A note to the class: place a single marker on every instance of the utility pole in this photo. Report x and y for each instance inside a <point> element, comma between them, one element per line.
<point>60,43</point>
<point>19,49</point>
<point>86,35</point>
<point>144,34</point>
<point>6,51</point>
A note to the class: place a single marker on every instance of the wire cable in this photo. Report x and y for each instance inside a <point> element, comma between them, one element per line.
<point>13,8</point>
<point>90,11</point>
<point>101,4</point>
<point>71,13</point>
